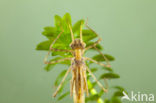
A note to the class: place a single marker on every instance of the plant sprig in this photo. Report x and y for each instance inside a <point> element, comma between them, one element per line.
<point>50,32</point>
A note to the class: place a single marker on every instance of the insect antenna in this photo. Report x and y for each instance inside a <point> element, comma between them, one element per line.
<point>72,35</point>
<point>81,32</point>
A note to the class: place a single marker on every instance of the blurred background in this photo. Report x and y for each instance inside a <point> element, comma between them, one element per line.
<point>127,27</point>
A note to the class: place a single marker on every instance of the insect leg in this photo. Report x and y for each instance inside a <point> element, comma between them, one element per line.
<point>77,85</point>
<point>62,50</point>
<point>94,44</point>
<point>46,57</point>
<point>54,95</point>
<point>100,85</point>
<point>53,49</point>
<point>81,81</point>
<point>105,58</point>
<point>92,60</point>
<point>57,61</point>
<point>72,84</point>
<point>86,24</point>
<point>81,32</point>
<point>85,82</point>
<point>98,41</point>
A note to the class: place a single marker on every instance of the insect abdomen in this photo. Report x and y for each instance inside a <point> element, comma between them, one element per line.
<point>79,87</point>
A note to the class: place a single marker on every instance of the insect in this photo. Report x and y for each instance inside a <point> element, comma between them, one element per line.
<point>78,68</point>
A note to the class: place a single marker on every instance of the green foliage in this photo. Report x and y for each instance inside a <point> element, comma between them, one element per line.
<point>48,67</point>
<point>97,46</point>
<point>76,27</point>
<point>109,76</point>
<point>44,45</point>
<point>107,68</point>
<point>63,96</point>
<point>51,32</point>
<point>99,57</point>
<point>59,77</point>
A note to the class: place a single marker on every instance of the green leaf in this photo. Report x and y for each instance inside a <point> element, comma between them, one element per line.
<point>107,101</point>
<point>115,100</point>
<point>94,84</point>
<point>59,77</point>
<point>99,57</point>
<point>60,53</point>
<point>58,22</point>
<point>59,44</point>
<point>76,26</point>
<point>100,100</point>
<point>92,98</point>
<point>63,96</point>
<point>88,35</point>
<point>44,45</point>
<point>49,67</point>
<point>67,18</point>
<point>109,76</point>
<point>101,93</point>
<point>63,41</point>
<point>93,69</point>
<point>107,68</point>
<point>118,93</point>
<point>119,88</point>
<point>61,89</point>
<point>50,32</point>
<point>90,86</point>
